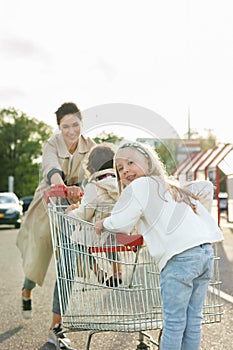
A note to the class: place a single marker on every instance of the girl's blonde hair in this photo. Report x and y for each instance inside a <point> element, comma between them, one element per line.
<point>157,169</point>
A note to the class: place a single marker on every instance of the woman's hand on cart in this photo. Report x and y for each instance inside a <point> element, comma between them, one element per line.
<point>72,193</point>
<point>99,226</point>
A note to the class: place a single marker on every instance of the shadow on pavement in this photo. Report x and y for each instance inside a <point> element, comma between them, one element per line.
<point>9,334</point>
<point>47,346</point>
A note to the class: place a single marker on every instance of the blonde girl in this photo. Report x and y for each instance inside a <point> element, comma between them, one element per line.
<point>178,229</point>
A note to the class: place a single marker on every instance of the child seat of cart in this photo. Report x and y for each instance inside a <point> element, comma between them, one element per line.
<point>60,191</point>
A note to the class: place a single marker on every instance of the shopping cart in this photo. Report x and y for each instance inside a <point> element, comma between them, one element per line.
<point>133,302</point>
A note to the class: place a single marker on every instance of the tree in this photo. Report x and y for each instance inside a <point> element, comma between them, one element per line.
<point>167,151</point>
<point>110,137</point>
<point>21,140</point>
<point>206,142</point>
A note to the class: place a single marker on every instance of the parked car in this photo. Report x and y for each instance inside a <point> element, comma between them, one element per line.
<point>11,209</point>
<point>26,202</point>
<point>223,197</point>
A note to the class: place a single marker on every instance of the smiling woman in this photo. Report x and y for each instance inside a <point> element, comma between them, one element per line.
<point>62,163</point>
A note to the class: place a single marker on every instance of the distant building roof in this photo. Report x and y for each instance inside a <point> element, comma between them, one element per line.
<point>221,156</point>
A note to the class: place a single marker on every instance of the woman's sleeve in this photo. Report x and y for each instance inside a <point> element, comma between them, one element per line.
<point>50,162</point>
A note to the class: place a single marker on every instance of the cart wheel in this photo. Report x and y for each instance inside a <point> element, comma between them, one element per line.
<point>143,346</point>
<point>63,345</point>
<point>159,338</point>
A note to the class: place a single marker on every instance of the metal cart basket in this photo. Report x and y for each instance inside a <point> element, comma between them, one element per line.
<point>133,302</point>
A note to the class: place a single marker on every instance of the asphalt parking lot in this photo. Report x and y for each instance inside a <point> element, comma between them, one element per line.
<point>16,333</point>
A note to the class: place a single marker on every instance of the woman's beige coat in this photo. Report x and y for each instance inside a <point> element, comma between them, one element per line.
<point>34,238</point>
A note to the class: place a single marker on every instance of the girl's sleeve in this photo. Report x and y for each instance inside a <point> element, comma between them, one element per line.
<point>204,190</point>
<point>126,213</point>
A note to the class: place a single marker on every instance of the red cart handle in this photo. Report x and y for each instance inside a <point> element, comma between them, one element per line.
<point>129,240</point>
<point>59,190</point>
<point>124,243</point>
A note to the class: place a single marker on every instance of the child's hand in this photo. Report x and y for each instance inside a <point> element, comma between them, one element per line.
<point>71,207</point>
<point>99,225</point>
<point>74,193</point>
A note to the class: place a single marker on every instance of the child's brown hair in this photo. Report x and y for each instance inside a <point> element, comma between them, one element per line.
<point>101,157</point>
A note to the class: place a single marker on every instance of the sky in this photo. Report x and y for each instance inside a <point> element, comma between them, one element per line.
<point>171,57</point>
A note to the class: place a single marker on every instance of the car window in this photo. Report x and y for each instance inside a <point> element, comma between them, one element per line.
<point>5,199</point>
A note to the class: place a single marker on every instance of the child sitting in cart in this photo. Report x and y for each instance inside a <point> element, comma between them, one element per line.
<point>100,194</point>
<point>178,230</point>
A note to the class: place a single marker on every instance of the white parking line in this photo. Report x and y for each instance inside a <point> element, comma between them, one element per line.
<point>226,297</point>
<point>223,295</point>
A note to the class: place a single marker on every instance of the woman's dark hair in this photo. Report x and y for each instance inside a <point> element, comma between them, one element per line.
<point>67,108</point>
<point>100,158</point>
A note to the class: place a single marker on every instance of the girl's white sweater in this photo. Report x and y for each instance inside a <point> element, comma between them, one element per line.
<point>168,227</point>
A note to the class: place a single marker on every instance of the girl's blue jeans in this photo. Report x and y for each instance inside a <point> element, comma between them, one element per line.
<point>184,284</point>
